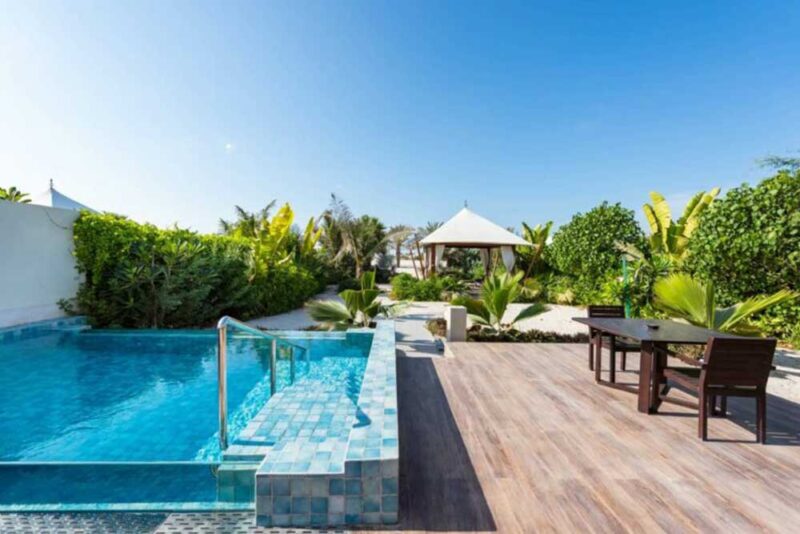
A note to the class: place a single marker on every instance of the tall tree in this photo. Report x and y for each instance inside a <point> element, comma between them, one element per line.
<point>401,233</point>
<point>357,238</point>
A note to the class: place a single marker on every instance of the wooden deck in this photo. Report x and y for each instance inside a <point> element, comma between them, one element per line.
<point>519,438</point>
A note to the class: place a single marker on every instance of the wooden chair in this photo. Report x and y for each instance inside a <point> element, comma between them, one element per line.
<point>729,368</point>
<point>613,343</point>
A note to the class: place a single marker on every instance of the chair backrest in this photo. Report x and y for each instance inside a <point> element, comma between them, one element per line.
<point>738,362</point>
<point>600,310</point>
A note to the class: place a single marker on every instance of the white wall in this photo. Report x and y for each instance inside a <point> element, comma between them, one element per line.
<point>36,264</point>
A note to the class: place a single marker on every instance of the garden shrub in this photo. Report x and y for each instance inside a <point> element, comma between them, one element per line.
<point>748,243</point>
<point>139,276</point>
<point>406,287</point>
<point>586,248</point>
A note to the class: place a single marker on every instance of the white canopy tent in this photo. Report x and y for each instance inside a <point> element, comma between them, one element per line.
<point>55,199</point>
<point>467,229</point>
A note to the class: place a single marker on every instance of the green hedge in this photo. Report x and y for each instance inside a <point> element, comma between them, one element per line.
<point>748,243</point>
<point>406,287</point>
<point>139,276</point>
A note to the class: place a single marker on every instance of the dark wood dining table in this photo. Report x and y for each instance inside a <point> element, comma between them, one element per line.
<point>654,335</point>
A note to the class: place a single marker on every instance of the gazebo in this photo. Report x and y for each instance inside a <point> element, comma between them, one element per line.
<point>467,229</point>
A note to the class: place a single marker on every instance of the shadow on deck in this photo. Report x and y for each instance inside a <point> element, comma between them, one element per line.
<point>440,490</point>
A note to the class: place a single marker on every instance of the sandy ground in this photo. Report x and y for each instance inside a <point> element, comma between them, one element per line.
<point>414,340</point>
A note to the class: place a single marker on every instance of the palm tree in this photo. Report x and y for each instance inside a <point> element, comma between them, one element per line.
<point>672,237</point>
<point>12,194</point>
<point>537,237</point>
<point>248,224</point>
<point>360,238</point>
<point>498,291</point>
<point>686,298</point>
<point>401,233</point>
<point>360,306</point>
<point>416,249</point>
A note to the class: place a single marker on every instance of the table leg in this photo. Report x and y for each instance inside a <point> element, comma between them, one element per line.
<point>659,363</point>
<point>598,355</point>
<point>646,365</point>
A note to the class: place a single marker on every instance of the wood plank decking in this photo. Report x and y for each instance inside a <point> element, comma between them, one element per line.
<point>519,438</point>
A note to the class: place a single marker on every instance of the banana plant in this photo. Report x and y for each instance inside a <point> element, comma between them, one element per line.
<point>359,306</point>
<point>311,236</point>
<point>683,297</point>
<point>672,237</point>
<point>498,291</point>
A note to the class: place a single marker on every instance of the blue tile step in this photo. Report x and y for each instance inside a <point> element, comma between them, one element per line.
<point>236,482</point>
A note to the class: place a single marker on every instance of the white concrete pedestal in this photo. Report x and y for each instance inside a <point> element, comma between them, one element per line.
<point>456,317</point>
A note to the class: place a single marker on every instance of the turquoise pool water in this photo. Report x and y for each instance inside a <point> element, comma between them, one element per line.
<point>122,416</point>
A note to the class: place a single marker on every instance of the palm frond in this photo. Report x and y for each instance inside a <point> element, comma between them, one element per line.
<point>533,310</point>
<point>330,313</point>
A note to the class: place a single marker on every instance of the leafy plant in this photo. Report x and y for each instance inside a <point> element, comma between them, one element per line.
<point>358,239</point>
<point>12,194</point>
<point>248,224</point>
<point>748,243</point>
<point>139,276</point>
<point>672,237</point>
<point>406,287</point>
<point>537,237</point>
<point>359,308</point>
<point>586,246</point>
<point>498,291</point>
<point>684,297</point>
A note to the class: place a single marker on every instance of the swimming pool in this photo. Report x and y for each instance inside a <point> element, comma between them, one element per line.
<point>128,419</point>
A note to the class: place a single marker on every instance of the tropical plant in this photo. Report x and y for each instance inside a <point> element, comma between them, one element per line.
<point>586,246</point>
<point>749,244</point>
<point>434,288</point>
<point>358,239</point>
<point>400,234</point>
<point>248,224</point>
<point>498,291</point>
<point>683,297</point>
<point>672,237</point>
<point>359,308</point>
<point>139,276</point>
<point>537,237</point>
<point>309,240</point>
<point>415,247</point>
<point>12,194</point>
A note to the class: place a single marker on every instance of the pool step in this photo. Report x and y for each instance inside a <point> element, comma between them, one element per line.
<point>236,482</point>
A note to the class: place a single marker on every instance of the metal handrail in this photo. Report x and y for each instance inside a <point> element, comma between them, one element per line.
<point>222,367</point>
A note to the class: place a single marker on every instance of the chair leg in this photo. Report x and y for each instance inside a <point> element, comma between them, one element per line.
<point>761,418</point>
<point>612,364</point>
<point>623,361</point>
<point>591,353</point>
<point>702,423</point>
<point>712,401</point>
<point>723,406</point>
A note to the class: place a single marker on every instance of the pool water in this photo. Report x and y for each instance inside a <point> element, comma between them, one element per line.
<point>147,399</point>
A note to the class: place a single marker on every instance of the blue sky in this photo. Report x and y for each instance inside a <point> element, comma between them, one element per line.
<point>175,111</point>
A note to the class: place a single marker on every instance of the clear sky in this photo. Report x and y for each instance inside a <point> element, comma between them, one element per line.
<point>175,111</point>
